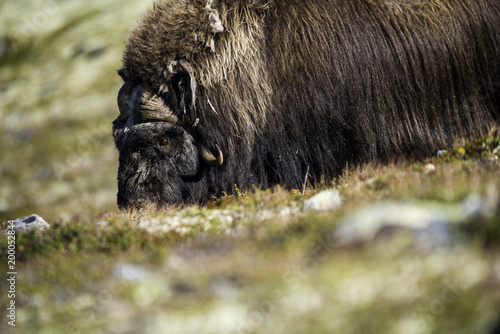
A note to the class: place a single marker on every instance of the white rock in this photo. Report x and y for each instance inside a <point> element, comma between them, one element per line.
<point>429,226</point>
<point>30,222</point>
<point>324,201</point>
<point>429,168</point>
<point>130,272</point>
<point>441,152</point>
<point>103,223</point>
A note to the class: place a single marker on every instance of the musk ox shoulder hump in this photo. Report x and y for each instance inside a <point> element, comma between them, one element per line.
<point>213,35</point>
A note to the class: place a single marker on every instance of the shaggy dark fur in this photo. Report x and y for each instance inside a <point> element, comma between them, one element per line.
<point>283,87</point>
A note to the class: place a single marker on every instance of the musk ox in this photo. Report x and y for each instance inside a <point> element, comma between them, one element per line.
<point>219,93</point>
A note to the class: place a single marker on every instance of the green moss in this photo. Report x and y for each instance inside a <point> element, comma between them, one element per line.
<point>253,260</point>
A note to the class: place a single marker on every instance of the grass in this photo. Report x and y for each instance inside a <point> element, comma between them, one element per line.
<point>253,262</point>
<point>256,263</point>
<point>58,87</point>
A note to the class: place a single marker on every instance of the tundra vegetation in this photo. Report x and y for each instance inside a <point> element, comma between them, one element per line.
<point>247,262</point>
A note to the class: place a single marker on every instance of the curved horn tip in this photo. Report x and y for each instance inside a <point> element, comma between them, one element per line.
<point>210,159</point>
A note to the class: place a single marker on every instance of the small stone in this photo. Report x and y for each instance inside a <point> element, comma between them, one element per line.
<point>324,201</point>
<point>441,152</point>
<point>130,272</point>
<point>102,224</point>
<point>30,222</point>
<point>474,205</point>
<point>496,150</point>
<point>429,168</point>
<point>428,227</point>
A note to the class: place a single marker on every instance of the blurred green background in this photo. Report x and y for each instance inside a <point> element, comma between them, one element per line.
<point>249,263</point>
<point>58,87</point>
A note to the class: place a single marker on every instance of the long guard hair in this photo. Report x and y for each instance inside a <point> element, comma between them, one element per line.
<point>287,86</point>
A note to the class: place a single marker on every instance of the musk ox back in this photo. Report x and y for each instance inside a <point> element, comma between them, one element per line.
<point>250,93</point>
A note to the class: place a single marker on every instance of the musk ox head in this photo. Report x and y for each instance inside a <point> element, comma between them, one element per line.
<point>184,95</point>
<point>162,158</point>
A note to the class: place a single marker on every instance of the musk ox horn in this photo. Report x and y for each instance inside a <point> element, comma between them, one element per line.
<point>210,159</point>
<point>192,82</point>
<point>185,85</point>
<point>151,108</point>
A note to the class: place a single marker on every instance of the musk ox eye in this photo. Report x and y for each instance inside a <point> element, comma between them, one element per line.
<point>163,142</point>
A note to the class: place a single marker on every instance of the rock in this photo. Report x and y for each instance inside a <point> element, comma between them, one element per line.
<point>485,207</point>
<point>130,272</point>
<point>429,168</point>
<point>441,152</point>
<point>102,223</point>
<point>30,222</point>
<point>324,201</point>
<point>429,226</point>
<point>474,205</point>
